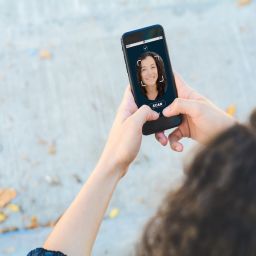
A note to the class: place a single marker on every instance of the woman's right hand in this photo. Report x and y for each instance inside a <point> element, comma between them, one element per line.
<point>202,120</point>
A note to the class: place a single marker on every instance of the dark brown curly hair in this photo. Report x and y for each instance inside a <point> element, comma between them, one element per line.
<point>161,80</point>
<point>213,213</point>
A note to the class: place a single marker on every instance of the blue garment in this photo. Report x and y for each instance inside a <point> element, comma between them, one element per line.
<point>44,252</point>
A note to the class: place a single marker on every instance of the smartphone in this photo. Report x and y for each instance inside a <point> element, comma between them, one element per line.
<point>150,74</point>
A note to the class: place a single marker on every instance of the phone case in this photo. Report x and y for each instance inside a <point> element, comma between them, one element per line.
<point>162,123</point>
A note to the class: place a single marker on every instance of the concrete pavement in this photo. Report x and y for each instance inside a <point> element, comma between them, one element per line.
<point>62,76</point>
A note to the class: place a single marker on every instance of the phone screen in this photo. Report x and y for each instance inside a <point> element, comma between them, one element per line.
<point>150,72</point>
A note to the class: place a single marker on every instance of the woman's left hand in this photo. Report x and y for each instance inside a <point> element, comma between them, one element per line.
<point>125,137</point>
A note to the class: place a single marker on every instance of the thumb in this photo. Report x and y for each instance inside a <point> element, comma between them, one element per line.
<point>145,113</point>
<point>181,106</point>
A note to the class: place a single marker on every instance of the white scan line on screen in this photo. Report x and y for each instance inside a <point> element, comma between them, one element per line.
<point>144,42</point>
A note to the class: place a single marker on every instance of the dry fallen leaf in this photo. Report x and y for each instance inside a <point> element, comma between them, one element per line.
<point>9,229</point>
<point>6,195</point>
<point>52,223</point>
<point>13,207</point>
<point>244,2</point>
<point>231,110</point>
<point>3,217</point>
<point>33,223</point>
<point>45,54</point>
<point>52,149</point>
<point>114,213</point>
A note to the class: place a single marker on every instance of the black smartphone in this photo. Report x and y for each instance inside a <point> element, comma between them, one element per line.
<point>150,73</point>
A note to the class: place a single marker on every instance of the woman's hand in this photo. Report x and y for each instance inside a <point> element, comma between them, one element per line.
<point>202,120</point>
<point>125,137</point>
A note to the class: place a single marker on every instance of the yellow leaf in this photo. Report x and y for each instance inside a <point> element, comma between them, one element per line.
<point>3,217</point>
<point>114,213</point>
<point>231,110</point>
<point>45,54</point>
<point>13,207</point>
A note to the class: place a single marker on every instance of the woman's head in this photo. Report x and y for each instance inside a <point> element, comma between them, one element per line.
<point>214,211</point>
<point>150,72</point>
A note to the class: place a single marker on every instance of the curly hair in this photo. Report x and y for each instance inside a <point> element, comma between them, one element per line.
<point>213,213</point>
<point>161,80</point>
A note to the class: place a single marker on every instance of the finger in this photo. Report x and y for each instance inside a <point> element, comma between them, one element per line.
<point>127,96</point>
<point>127,106</point>
<point>177,146</point>
<point>174,138</point>
<point>182,106</point>
<point>180,84</point>
<point>160,136</point>
<point>127,92</point>
<point>144,114</point>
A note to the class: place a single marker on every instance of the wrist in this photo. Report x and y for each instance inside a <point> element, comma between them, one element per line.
<point>223,124</point>
<point>110,166</point>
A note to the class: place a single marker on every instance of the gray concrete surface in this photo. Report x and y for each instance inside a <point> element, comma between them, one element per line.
<point>69,101</point>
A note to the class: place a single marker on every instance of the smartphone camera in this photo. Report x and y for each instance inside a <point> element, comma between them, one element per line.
<point>145,47</point>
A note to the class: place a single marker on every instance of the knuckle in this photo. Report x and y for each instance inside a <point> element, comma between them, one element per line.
<point>145,108</point>
<point>178,101</point>
<point>175,103</point>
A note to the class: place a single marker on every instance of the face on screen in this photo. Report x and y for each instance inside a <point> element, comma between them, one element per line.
<point>151,75</point>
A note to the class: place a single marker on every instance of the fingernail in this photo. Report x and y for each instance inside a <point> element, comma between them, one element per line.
<point>178,147</point>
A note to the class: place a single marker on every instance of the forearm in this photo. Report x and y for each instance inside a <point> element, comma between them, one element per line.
<point>76,231</point>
